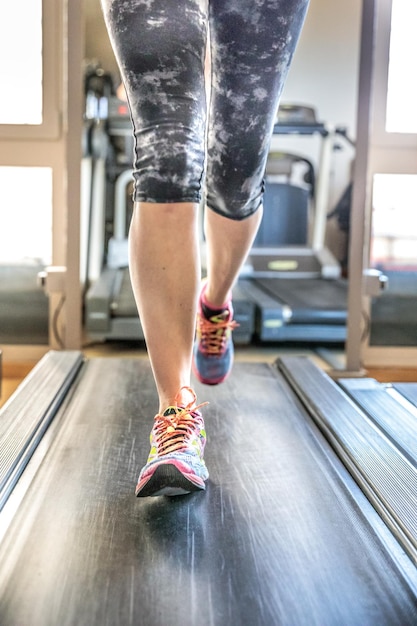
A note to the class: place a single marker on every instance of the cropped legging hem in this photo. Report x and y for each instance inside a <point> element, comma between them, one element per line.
<point>140,197</point>
<point>181,142</point>
<point>238,217</point>
<point>196,199</point>
<point>238,214</point>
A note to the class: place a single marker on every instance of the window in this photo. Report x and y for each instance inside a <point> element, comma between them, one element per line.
<point>26,225</point>
<point>402,86</point>
<point>394,222</point>
<point>21,62</point>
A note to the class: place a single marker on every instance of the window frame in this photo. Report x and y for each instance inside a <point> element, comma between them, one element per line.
<point>389,153</point>
<point>56,143</point>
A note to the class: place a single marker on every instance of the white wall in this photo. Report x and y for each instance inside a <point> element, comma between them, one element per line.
<point>324,74</point>
<point>325,67</point>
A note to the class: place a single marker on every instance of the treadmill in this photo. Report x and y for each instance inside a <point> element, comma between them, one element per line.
<point>309,515</point>
<point>289,290</point>
<point>296,285</point>
<point>110,309</point>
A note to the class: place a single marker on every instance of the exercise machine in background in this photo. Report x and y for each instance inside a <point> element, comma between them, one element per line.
<point>297,285</point>
<point>291,287</point>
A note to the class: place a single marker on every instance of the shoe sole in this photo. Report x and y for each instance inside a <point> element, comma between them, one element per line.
<point>167,480</point>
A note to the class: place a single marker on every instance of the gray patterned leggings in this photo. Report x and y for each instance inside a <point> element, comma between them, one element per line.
<point>160,48</point>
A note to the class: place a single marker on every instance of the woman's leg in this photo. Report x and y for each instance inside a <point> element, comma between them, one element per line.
<point>228,244</point>
<point>165,274</point>
<point>160,47</point>
<point>252,44</point>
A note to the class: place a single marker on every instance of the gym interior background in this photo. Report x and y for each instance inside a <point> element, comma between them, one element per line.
<point>42,146</point>
<point>317,474</point>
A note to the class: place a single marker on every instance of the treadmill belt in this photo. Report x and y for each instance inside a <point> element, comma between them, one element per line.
<point>282,536</point>
<point>312,300</point>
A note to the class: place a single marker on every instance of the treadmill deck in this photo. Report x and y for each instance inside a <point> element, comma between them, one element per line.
<point>282,535</point>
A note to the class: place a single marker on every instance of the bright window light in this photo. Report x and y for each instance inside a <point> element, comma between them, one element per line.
<point>26,225</point>
<point>402,83</point>
<point>394,222</point>
<point>21,62</point>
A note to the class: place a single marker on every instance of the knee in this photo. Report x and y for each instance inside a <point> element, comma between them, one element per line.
<point>235,195</point>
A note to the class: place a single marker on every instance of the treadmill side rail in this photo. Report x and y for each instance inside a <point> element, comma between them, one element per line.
<point>394,419</point>
<point>26,416</point>
<point>383,472</point>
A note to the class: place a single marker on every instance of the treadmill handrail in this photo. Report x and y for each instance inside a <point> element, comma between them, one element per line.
<point>282,128</point>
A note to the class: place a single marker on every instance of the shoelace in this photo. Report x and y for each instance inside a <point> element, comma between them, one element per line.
<point>173,431</point>
<point>213,335</point>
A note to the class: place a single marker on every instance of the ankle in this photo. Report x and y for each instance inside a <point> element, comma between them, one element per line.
<point>183,397</point>
<point>215,301</point>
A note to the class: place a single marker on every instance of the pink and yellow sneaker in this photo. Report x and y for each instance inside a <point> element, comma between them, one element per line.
<point>175,464</point>
<point>213,348</point>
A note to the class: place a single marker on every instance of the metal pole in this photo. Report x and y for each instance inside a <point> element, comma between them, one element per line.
<point>361,194</point>
<point>73,60</point>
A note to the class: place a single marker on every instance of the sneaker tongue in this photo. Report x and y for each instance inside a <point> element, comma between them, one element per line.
<point>217,315</point>
<point>171,410</point>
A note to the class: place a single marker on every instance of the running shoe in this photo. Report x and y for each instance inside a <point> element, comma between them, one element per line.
<point>175,465</point>
<point>213,348</point>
